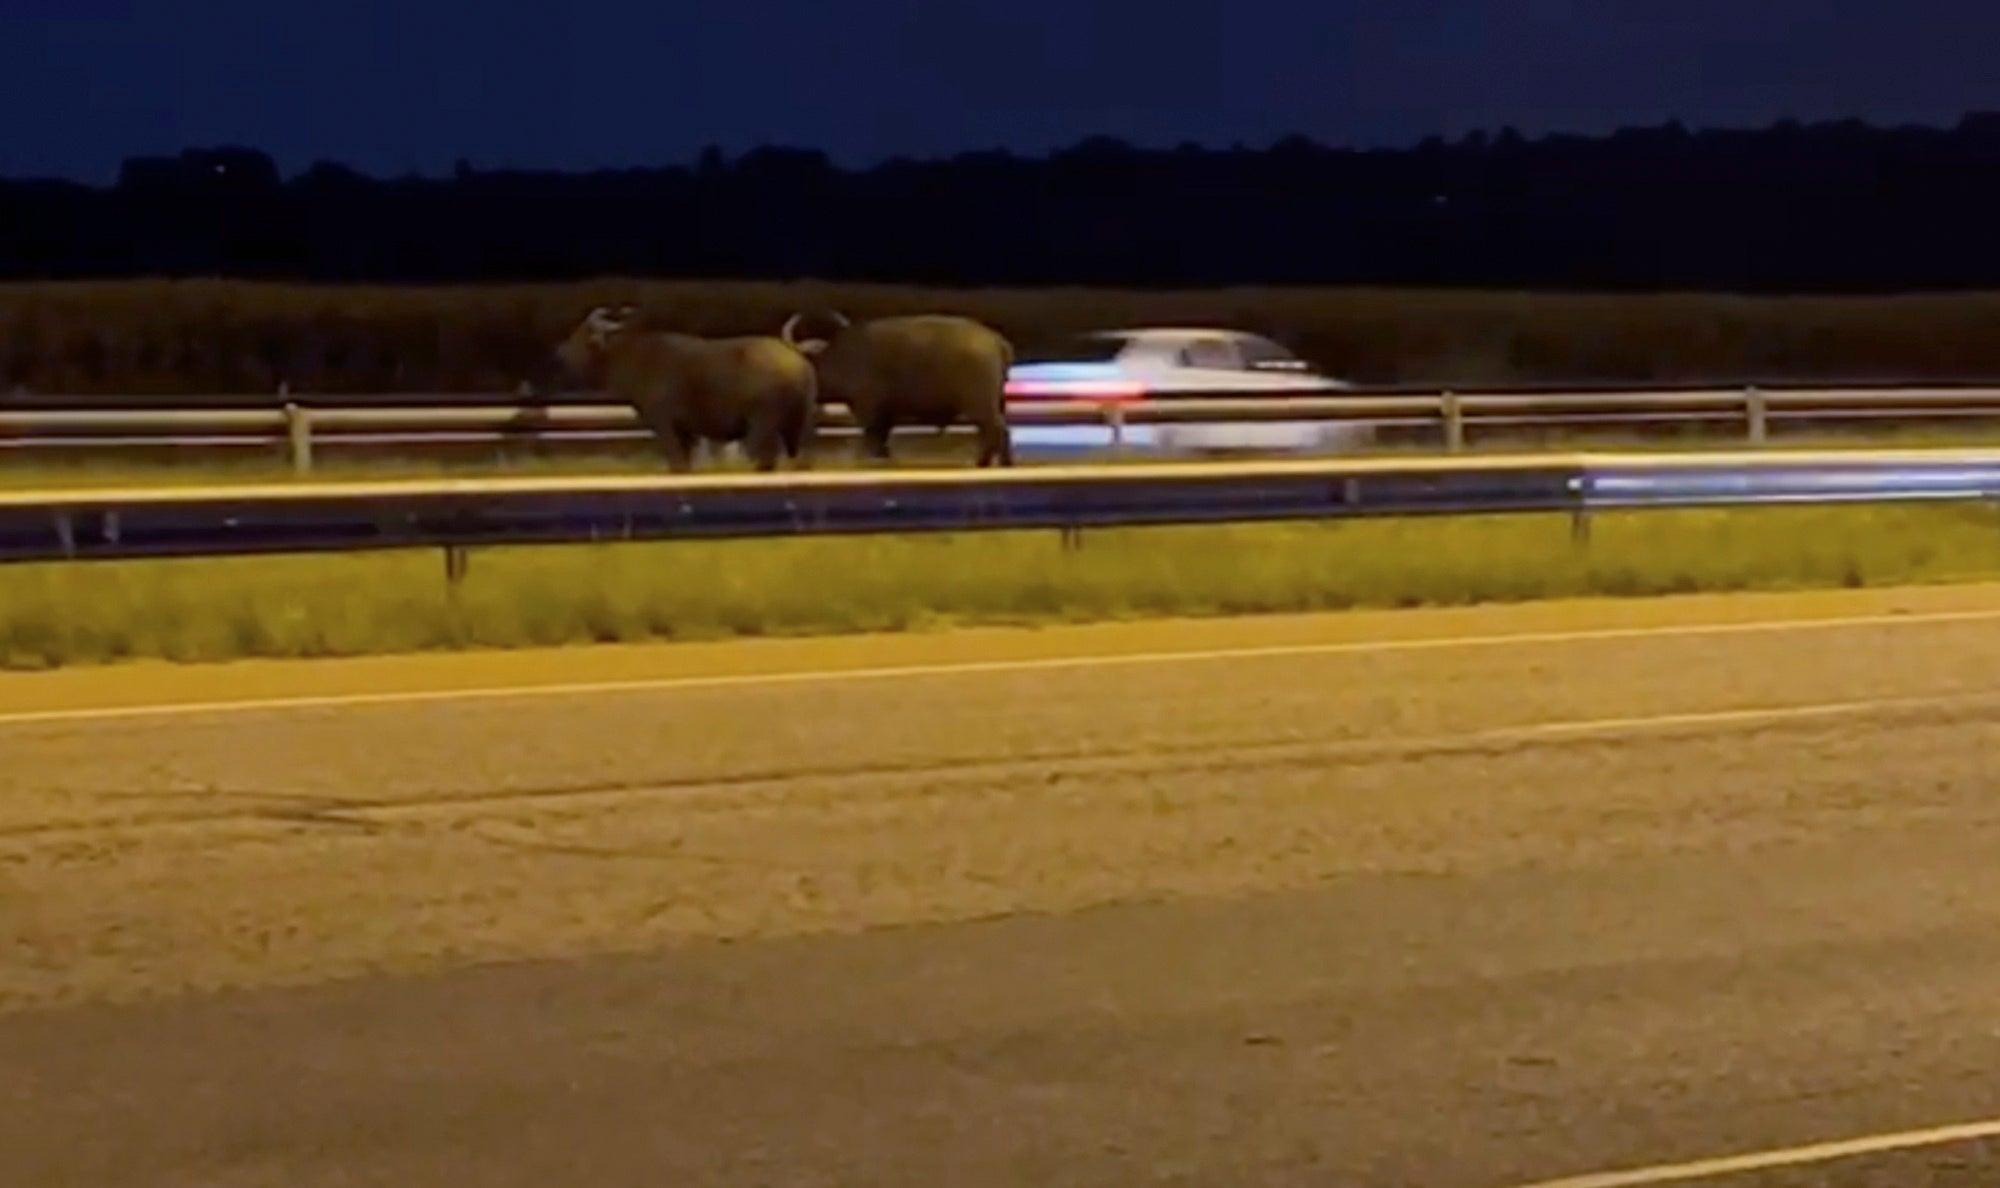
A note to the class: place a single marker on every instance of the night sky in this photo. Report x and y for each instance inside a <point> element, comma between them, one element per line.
<point>390,86</point>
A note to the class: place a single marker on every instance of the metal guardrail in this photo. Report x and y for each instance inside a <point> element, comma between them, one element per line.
<point>83,524</point>
<point>429,423</point>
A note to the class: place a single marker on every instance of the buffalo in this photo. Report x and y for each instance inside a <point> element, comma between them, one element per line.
<point>927,369</point>
<point>758,390</point>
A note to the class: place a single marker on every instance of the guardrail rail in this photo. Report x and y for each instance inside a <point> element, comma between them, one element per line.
<point>425,423</point>
<point>108,523</point>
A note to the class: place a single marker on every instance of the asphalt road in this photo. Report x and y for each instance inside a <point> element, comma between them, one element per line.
<point>1476,913</point>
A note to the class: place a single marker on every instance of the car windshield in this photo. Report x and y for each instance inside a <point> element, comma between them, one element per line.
<point>1076,348</point>
<point>1262,353</point>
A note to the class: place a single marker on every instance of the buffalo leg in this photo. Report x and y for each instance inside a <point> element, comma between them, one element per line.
<point>797,436</point>
<point>995,444</point>
<point>762,445</point>
<point>668,440</point>
<point>875,438</point>
<point>678,445</point>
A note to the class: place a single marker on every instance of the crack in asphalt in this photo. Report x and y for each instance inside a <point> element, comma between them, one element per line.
<point>1220,756</point>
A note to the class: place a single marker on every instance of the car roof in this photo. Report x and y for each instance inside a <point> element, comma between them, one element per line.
<point>1160,340</point>
<point>1155,333</point>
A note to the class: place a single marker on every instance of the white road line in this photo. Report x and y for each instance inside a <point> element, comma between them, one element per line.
<point>985,667</point>
<point>1668,1173</point>
<point>1737,717</point>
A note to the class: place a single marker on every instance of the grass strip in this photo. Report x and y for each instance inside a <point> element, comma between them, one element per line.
<point>352,604</point>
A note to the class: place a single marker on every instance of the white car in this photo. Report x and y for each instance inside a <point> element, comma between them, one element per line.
<point>1163,363</point>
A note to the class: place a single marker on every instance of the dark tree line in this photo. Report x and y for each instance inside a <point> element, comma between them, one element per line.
<point>1809,208</point>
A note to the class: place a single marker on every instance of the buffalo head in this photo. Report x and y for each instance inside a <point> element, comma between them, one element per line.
<point>583,351</point>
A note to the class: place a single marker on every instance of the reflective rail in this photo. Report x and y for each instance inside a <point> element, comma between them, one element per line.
<point>87,523</point>
<point>438,422</point>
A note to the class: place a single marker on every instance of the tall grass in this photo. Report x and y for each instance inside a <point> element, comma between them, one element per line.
<point>214,609</point>
<point>208,336</point>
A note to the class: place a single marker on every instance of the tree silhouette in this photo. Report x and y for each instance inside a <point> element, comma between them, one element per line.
<point>1829,207</point>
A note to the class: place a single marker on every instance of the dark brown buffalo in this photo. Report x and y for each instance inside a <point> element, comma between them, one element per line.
<point>758,390</point>
<point>925,369</point>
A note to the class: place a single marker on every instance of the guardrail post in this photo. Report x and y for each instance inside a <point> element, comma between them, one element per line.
<point>1579,527</point>
<point>66,534</point>
<point>1114,416</point>
<point>456,562</point>
<point>298,437</point>
<point>1454,424</point>
<point>1757,415</point>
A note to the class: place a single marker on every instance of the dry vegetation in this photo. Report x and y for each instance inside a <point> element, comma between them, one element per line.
<point>399,602</point>
<point>168,337</point>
